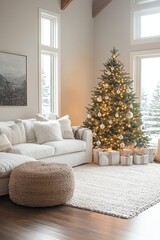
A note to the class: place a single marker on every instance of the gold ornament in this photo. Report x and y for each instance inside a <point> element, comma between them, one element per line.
<point>118,91</point>
<point>110,121</point>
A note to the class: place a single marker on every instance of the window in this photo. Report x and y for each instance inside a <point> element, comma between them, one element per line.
<point>145,21</point>
<point>49,49</point>
<point>147,87</point>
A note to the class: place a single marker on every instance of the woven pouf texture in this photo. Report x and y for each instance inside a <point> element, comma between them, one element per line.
<point>39,184</point>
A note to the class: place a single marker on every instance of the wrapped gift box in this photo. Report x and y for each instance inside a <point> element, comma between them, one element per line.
<point>150,151</point>
<point>96,154</point>
<point>108,157</point>
<point>140,159</point>
<point>127,160</point>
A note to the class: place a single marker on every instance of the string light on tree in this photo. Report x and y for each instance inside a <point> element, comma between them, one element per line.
<point>114,117</point>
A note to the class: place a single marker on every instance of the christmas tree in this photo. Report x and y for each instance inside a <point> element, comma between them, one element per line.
<point>114,114</point>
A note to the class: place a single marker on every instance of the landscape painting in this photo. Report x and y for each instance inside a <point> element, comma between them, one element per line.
<point>13,79</point>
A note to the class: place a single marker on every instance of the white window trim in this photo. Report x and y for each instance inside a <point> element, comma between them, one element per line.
<point>138,10</point>
<point>135,58</point>
<point>57,86</point>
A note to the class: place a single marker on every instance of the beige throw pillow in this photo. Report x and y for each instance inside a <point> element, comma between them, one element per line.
<point>48,131</point>
<point>66,128</point>
<point>15,133</point>
<point>5,145</point>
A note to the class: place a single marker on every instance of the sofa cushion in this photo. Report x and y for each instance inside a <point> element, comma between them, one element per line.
<point>48,131</point>
<point>6,123</point>
<point>8,161</point>
<point>15,133</point>
<point>29,128</point>
<point>67,146</point>
<point>5,144</point>
<point>34,150</point>
<point>66,128</point>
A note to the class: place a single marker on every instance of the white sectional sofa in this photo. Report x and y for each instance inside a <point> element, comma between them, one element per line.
<point>74,150</point>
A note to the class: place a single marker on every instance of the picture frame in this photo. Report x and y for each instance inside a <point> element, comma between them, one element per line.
<point>13,79</point>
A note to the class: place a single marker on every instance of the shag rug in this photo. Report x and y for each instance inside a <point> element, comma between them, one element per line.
<point>120,191</point>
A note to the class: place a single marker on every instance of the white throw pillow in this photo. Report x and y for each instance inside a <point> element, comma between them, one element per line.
<point>15,133</point>
<point>66,128</point>
<point>29,128</point>
<point>46,117</point>
<point>41,117</point>
<point>48,131</point>
<point>5,145</point>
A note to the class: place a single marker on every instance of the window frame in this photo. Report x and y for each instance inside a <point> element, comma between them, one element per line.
<point>138,10</point>
<point>51,50</point>
<point>135,60</point>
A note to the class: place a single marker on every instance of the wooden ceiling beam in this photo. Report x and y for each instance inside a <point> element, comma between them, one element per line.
<point>98,6</point>
<point>65,3</point>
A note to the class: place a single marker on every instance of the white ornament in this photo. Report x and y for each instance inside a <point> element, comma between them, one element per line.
<point>116,115</point>
<point>128,90</point>
<point>129,125</point>
<point>122,145</point>
<point>131,106</point>
<point>110,121</point>
<point>89,116</point>
<point>112,68</point>
<point>134,144</point>
<point>98,143</point>
<point>106,97</point>
<point>129,114</point>
<point>102,126</point>
<point>94,134</point>
<point>118,91</point>
<point>108,73</point>
<point>120,137</point>
<point>99,99</point>
<point>99,114</point>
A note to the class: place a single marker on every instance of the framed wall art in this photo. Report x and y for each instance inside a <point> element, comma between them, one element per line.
<point>13,79</point>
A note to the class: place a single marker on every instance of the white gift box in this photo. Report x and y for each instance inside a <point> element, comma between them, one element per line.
<point>127,160</point>
<point>96,154</point>
<point>140,159</point>
<point>108,157</point>
<point>150,151</point>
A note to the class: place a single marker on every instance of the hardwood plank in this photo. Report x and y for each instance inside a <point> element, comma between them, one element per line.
<point>66,223</point>
<point>65,3</point>
<point>98,6</point>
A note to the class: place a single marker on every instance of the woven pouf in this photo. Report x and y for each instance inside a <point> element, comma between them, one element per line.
<point>39,184</point>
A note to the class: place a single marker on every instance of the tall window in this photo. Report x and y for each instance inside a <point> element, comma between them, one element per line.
<point>145,64</point>
<point>49,62</point>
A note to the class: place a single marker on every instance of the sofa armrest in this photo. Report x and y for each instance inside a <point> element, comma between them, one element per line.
<point>84,134</point>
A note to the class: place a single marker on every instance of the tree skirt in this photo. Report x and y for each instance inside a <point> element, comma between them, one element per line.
<point>120,191</point>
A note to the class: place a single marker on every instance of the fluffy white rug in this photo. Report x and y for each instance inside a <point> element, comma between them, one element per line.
<point>121,191</point>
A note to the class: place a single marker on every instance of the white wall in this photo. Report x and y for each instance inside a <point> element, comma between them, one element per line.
<point>19,34</point>
<point>112,28</point>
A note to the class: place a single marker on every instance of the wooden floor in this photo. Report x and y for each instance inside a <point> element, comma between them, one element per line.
<point>65,223</point>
